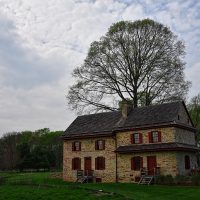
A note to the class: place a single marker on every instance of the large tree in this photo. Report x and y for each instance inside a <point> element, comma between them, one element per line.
<point>140,60</point>
<point>194,110</point>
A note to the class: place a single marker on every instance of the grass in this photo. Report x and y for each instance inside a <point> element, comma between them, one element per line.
<point>38,186</point>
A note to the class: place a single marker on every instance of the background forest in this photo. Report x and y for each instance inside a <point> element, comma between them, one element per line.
<point>27,150</point>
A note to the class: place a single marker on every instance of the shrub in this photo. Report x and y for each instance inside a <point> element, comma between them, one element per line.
<point>169,179</point>
<point>164,180</point>
<point>159,179</point>
<point>181,179</point>
<point>196,179</point>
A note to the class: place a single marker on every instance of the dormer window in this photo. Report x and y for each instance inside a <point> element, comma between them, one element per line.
<point>76,146</point>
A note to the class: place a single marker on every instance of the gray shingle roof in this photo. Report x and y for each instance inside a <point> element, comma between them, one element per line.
<point>109,121</point>
<point>100,122</point>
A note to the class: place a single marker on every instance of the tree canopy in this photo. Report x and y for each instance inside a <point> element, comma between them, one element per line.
<point>194,110</point>
<point>27,150</point>
<point>140,60</point>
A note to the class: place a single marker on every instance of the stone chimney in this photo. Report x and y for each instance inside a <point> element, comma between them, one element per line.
<point>126,109</point>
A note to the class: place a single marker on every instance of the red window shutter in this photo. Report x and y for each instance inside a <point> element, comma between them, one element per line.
<point>150,137</point>
<point>141,139</point>
<point>73,164</point>
<point>132,163</point>
<point>132,139</point>
<point>103,144</point>
<point>79,163</point>
<point>103,163</point>
<point>79,146</point>
<point>159,136</point>
<point>73,146</point>
<point>96,145</point>
<point>141,162</point>
<point>96,167</point>
<point>99,163</point>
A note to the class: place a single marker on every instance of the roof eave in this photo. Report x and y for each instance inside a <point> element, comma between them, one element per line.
<point>157,150</point>
<point>88,135</point>
<point>163,125</point>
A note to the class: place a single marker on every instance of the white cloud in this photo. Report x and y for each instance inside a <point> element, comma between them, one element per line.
<point>42,41</point>
<point>192,73</point>
<point>133,12</point>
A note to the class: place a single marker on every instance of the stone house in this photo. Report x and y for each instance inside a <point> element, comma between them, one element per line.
<point>115,146</point>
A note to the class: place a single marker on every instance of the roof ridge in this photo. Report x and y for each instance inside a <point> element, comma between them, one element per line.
<point>115,111</point>
<point>154,105</point>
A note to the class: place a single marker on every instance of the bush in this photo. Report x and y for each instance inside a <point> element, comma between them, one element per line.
<point>164,180</point>
<point>196,179</point>
<point>181,179</point>
<point>159,179</point>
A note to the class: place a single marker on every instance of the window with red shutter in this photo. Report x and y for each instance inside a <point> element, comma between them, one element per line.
<point>100,163</point>
<point>76,146</point>
<point>100,145</point>
<point>154,136</point>
<point>76,164</point>
<point>136,163</point>
<point>136,138</point>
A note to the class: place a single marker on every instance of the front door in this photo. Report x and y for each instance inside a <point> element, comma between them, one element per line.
<point>87,165</point>
<point>151,164</point>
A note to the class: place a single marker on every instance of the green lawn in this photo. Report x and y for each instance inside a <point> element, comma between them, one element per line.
<point>38,186</point>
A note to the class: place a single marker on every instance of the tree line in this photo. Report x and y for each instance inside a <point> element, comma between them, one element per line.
<point>31,150</point>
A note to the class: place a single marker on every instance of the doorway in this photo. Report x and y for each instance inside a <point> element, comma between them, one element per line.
<point>88,165</point>
<point>151,165</point>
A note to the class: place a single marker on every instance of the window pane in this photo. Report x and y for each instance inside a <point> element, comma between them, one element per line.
<point>155,136</point>
<point>76,146</point>
<point>100,144</point>
<point>137,138</point>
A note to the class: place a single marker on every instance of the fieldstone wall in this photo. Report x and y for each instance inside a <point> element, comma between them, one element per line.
<point>165,160</point>
<point>169,162</point>
<point>88,150</point>
<point>167,135</point>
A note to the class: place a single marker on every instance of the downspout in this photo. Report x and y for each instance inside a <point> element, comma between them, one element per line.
<point>116,169</point>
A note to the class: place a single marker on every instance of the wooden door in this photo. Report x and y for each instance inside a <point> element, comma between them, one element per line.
<point>87,165</point>
<point>151,164</point>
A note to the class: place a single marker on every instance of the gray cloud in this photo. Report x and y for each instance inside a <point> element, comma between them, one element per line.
<point>42,41</point>
<point>21,66</point>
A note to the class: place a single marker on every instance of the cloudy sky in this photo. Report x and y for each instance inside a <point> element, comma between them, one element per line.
<point>42,41</point>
